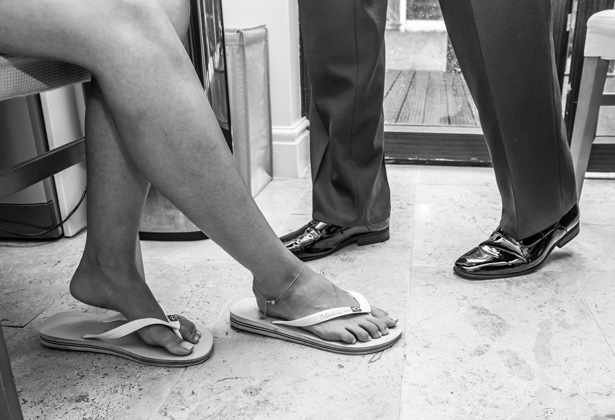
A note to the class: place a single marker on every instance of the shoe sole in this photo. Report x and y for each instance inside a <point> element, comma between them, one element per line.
<point>365,239</point>
<point>569,236</point>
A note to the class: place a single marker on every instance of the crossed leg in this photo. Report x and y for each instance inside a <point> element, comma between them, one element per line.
<point>110,273</point>
<point>150,122</point>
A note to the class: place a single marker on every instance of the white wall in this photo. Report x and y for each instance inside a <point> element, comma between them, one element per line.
<point>290,135</point>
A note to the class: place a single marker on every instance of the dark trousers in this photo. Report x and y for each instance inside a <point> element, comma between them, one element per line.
<point>506,53</point>
<point>343,46</point>
<point>505,50</point>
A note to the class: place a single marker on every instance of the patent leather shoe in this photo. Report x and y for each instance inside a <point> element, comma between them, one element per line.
<point>318,239</point>
<point>503,256</point>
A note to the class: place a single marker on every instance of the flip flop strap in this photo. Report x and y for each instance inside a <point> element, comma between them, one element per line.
<point>317,318</point>
<point>132,326</point>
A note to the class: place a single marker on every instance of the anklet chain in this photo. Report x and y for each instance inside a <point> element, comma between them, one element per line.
<point>273,301</point>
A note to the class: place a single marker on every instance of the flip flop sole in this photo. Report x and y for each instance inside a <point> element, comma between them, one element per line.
<point>246,316</point>
<point>65,330</point>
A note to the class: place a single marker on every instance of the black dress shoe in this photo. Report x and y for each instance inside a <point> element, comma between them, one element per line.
<point>318,239</point>
<point>503,256</point>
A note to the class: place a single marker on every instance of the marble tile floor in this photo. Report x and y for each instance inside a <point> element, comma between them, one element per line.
<point>533,347</point>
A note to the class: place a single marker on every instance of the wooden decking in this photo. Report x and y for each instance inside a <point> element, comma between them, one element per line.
<point>430,118</point>
<point>428,98</point>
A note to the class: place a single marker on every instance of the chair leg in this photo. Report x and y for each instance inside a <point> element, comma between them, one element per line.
<point>586,117</point>
<point>9,402</point>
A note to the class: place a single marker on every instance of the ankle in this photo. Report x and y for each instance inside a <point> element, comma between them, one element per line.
<point>97,279</point>
<point>108,264</point>
<point>274,287</point>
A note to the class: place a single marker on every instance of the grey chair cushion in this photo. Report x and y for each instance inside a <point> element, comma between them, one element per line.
<point>20,76</point>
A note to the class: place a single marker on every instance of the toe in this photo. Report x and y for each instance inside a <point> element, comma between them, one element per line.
<point>389,320</point>
<point>353,328</point>
<point>178,346</point>
<point>165,337</point>
<point>347,337</point>
<point>188,330</point>
<point>333,331</point>
<point>369,324</point>
<point>361,334</point>
<point>380,325</point>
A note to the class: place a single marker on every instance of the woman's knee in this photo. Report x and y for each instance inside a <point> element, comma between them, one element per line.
<point>88,32</point>
<point>145,12</point>
<point>143,21</point>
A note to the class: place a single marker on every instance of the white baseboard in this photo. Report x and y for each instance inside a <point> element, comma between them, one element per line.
<point>291,150</point>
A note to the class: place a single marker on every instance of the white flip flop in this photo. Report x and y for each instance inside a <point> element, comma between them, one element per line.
<point>246,316</point>
<point>113,335</point>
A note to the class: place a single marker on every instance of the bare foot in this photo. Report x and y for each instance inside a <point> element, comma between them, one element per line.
<point>127,293</point>
<point>313,293</point>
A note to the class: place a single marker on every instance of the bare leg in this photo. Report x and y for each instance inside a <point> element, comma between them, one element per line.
<point>110,274</point>
<point>170,134</point>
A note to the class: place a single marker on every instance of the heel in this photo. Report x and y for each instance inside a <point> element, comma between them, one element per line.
<point>570,235</point>
<point>374,238</point>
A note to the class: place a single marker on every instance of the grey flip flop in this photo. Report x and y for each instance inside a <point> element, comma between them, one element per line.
<point>113,335</point>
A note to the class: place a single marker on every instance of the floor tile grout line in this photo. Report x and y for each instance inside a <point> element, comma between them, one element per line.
<point>587,305</point>
<point>218,319</point>
<point>408,298</point>
<point>230,301</point>
<point>168,394</point>
<point>35,318</point>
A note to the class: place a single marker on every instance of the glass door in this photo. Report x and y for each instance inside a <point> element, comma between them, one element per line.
<point>429,114</point>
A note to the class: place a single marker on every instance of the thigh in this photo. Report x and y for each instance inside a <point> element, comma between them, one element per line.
<point>80,31</point>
